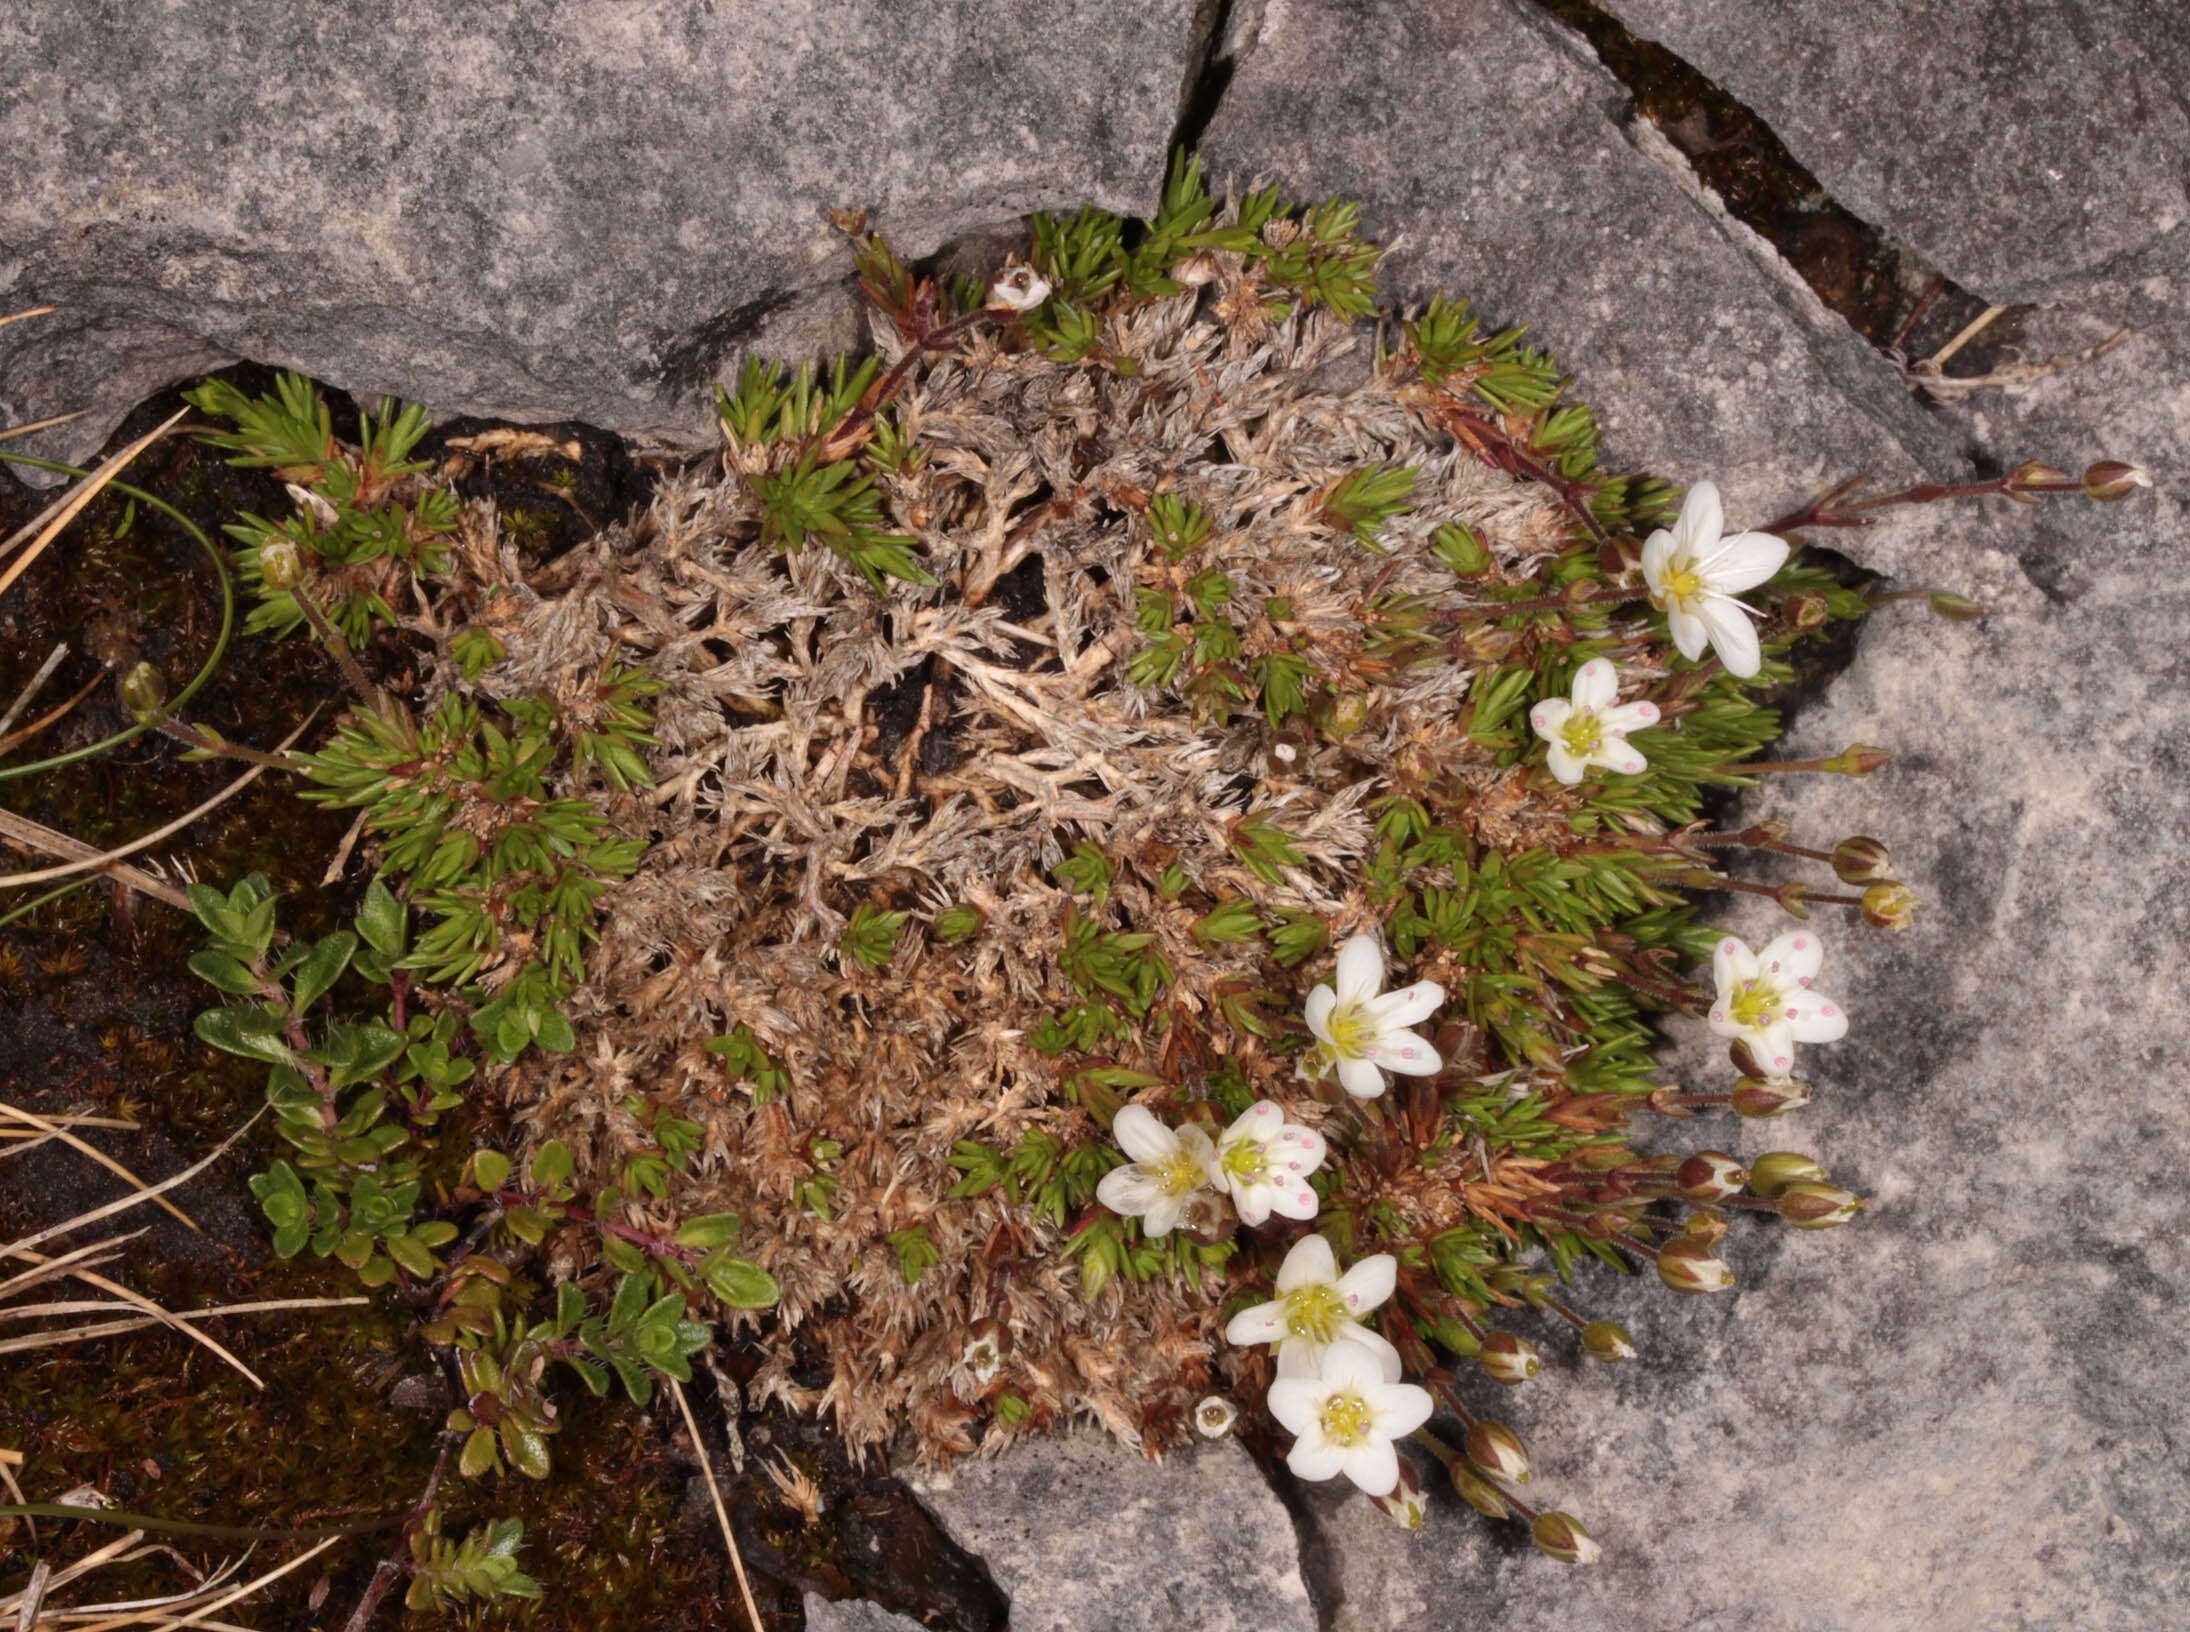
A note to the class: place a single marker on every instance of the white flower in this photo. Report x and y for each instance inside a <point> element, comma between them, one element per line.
<point>1694,575</point>
<point>1764,998</point>
<point>1021,289</point>
<point>1317,1307</point>
<point>1591,730</point>
<point>1168,1166</point>
<point>1345,1418</point>
<point>1365,1034</point>
<point>1265,1161</point>
<point>1214,1417</point>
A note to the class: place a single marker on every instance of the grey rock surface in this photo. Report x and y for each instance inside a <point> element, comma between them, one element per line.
<point>2034,152</point>
<point>537,211</point>
<point>853,1615</point>
<point>1087,1537</point>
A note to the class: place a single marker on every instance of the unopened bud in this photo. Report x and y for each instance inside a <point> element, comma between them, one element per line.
<point>1818,1206</point>
<point>1687,1266</point>
<point>1344,714</point>
<point>2027,480</point>
<point>1478,1492</point>
<point>1486,643</point>
<point>1509,1359</point>
<point>1772,1172</point>
<point>1710,1175</point>
<point>144,692</point>
<point>1497,1451</point>
<point>1406,1502</point>
<point>1706,1227</point>
<point>1806,610</point>
<point>1889,906</point>
<point>1768,1096</point>
<point>1213,1418</point>
<point>957,923</point>
<point>1561,1536</point>
<point>1859,760</point>
<point>2110,479</point>
<point>1862,861</point>
<point>281,567</point>
<point>1021,289</point>
<point>1959,608</point>
<point>1607,1340</point>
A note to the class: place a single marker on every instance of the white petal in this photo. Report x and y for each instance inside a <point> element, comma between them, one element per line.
<point>1361,1079</point>
<point>1404,1007</point>
<point>1794,957</point>
<point>1297,1402</point>
<point>1141,1136</point>
<point>1630,717</point>
<point>1773,1045</point>
<point>1259,1122</point>
<point>1317,1012</point>
<point>1406,1053</point>
<point>1127,1190</point>
<point>1348,1364</point>
<point>1310,1261</point>
<point>1196,1144</point>
<point>1569,768</point>
<point>1300,1149</point>
<point>1360,969</point>
<point>1320,1459</point>
<point>1401,1408</point>
<point>1265,1323</point>
<point>1596,683</point>
<point>1657,551</point>
<point>1300,1359</point>
<point>1731,963</point>
<point>1702,519</point>
<point>1815,1018</point>
<point>1163,1216</point>
<point>1376,1344</point>
<point>1368,1283</point>
<point>1615,755</point>
<point>1745,561</point>
<point>1689,635</point>
<point>1731,634</point>
<point>1548,715</point>
<point>1372,1465</point>
<point>1301,1203</point>
<point>1252,1203</point>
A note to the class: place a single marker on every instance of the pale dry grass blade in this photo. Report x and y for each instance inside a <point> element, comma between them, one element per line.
<point>138,1300</point>
<point>124,1203</point>
<point>53,716</point>
<point>722,1515</point>
<point>28,311</point>
<point>54,1130</point>
<point>137,1323</point>
<point>54,1267</point>
<point>198,1617</point>
<point>23,697</point>
<point>107,857</point>
<point>37,836</point>
<point>88,490</point>
<point>42,424</point>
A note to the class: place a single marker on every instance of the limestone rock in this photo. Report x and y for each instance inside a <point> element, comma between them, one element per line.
<point>2034,152</point>
<point>535,211</point>
<point>1088,1536</point>
<point>853,1615</point>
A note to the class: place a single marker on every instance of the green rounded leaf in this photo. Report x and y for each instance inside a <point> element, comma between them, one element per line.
<point>742,1284</point>
<point>490,1170</point>
<point>708,1231</point>
<point>478,1456</point>
<point>229,974</point>
<point>552,1164</point>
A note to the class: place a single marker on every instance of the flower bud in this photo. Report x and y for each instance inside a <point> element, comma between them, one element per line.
<point>2027,480</point>
<point>1020,289</point>
<point>1406,1502</point>
<point>1706,1227</point>
<point>1889,906</point>
<point>1497,1450</point>
<point>1478,1492</point>
<point>1343,713</point>
<point>1769,1096</point>
<point>1710,1175</point>
<point>1806,611</point>
<point>281,567</point>
<point>1860,759</point>
<point>1457,1338</point>
<point>1607,1340</point>
<point>957,923</point>
<point>1957,608</point>
<point>1687,1266</point>
<point>1818,1206</point>
<point>1213,1418</point>
<point>144,692</point>
<point>1772,1172</point>
<point>1862,861</point>
<point>1561,1536</point>
<point>1509,1359</point>
<point>2110,479</point>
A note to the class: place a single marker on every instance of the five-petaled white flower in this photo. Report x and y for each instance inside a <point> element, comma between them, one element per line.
<point>1591,729</point>
<point>1317,1307</point>
<point>1265,1161</point>
<point>1020,289</point>
<point>1345,1418</point>
<point>1168,1166</point>
<point>1364,1033</point>
<point>1764,998</point>
<point>1694,575</point>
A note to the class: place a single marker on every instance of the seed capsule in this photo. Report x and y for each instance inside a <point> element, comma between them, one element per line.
<point>1406,1502</point>
<point>1772,1172</point>
<point>144,692</point>
<point>1818,1206</point>
<point>1561,1536</point>
<point>1213,1418</point>
<point>1769,1096</point>
<point>1509,1359</point>
<point>2110,479</point>
<point>1889,906</point>
<point>1478,1492</point>
<point>1607,1340</point>
<point>1497,1450</point>
<point>1710,1175</point>
<point>280,565</point>
<point>1862,861</point>
<point>1687,1266</point>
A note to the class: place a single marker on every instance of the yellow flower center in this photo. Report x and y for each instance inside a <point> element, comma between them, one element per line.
<point>1683,584</point>
<point>1314,1312</point>
<point>1583,733</point>
<point>1352,1034</point>
<point>1178,1173</point>
<point>1347,1418</point>
<point>1754,1004</point>
<point>1247,1161</point>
